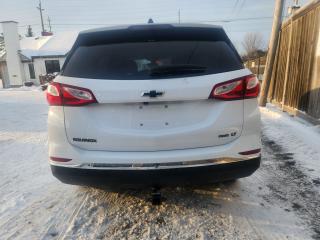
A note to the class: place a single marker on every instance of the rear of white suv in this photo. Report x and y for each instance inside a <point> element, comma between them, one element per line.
<point>154,105</point>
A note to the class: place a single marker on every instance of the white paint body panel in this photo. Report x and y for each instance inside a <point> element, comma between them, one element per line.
<point>194,122</point>
<point>182,118</point>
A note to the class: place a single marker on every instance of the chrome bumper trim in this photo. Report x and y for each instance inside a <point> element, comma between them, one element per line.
<point>155,166</point>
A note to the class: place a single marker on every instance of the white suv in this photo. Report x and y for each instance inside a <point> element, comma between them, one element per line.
<point>156,104</point>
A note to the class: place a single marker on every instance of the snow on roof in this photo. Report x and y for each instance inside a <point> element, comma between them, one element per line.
<point>30,46</point>
<point>58,44</point>
<point>33,43</point>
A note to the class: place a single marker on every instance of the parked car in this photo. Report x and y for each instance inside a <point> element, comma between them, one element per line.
<point>153,105</point>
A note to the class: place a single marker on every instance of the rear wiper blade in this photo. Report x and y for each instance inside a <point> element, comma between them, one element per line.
<point>177,69</point>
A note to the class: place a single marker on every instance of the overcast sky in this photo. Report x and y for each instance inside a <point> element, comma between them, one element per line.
<point>237,16</point>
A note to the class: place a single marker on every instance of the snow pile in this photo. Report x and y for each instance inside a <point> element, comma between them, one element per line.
<point>294,135</point>
<point>23,88</point>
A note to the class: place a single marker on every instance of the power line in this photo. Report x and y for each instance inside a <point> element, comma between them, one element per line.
<point>238,19</point>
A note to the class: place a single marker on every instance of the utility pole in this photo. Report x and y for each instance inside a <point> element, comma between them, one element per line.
<point>41,9</point>
<point>49,23</point>
<point>179,16</point>
<point>276,26</point>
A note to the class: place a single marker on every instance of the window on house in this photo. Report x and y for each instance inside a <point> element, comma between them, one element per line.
<point>52,66</point>
<point>31,71</point>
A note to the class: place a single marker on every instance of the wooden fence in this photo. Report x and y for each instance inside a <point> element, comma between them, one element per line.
<point>295,83</point>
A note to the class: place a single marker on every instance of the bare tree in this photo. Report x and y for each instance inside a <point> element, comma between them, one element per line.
<point>252,44</point>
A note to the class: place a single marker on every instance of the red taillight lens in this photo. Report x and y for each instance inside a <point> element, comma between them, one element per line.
<point>240,88</point>
<point>252,87</point>
<point>75,96</point>
<point>231,90</point>
<point>66,95</point>
<point>54,95</point>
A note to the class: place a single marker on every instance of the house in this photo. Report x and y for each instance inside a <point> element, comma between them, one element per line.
<point>23,59</point>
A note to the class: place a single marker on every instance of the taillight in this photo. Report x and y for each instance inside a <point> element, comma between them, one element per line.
<point>240,88</point>
<point>59,94</point>
<point>252,87</point>
<point>231,90</point>
<point>53,94</point>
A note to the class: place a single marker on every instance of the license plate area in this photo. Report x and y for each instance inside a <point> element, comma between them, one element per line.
<point>136,118</point>
<point>154,116</point>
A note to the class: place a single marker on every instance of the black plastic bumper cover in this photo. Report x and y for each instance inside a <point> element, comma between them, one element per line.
<point>203,175</point>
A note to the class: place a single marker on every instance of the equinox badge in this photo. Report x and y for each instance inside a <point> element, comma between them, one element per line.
<point>89,140</point>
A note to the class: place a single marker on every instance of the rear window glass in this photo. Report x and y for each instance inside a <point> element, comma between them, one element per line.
<point>152,60</point>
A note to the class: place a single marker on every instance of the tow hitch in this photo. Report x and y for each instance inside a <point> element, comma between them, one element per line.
<point>156,196</point>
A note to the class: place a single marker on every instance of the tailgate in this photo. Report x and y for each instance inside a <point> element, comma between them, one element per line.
<point>183,117</point>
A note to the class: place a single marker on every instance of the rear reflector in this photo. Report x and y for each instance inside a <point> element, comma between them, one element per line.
<point>59,94</point>
<point>53,95</point>
<point>56,159</point>
<point>252,87</point>
<point>236,89</point>
<point>255,151</point>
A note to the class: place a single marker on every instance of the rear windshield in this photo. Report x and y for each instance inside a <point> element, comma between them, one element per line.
<point>152,60</point>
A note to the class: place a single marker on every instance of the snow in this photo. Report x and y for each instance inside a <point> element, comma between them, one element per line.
<point>295,135</point>
<point>22,88</point>
<point>33,43</point>
<point>30,46</point>
<point>58,44</point>
<point>280,201</point>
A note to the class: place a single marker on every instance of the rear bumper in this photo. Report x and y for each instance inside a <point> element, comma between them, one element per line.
<point>200,175</point>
